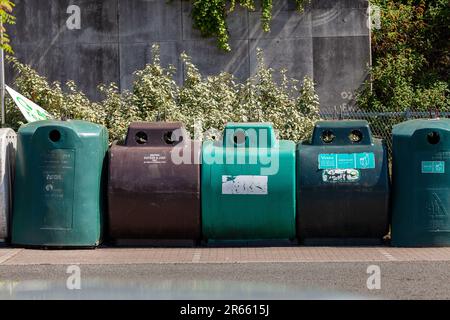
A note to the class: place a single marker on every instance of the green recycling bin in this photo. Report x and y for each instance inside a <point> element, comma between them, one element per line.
<point>342,184</point>
<point>58,188</point>
<point>421,183</point>
<point>248,185</point>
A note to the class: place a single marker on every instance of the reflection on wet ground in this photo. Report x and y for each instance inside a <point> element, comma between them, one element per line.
<point>160,290</point>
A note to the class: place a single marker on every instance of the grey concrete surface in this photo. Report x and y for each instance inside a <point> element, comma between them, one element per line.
<point>339,72</point>
<point>399,280</point>
<point>329,42</point>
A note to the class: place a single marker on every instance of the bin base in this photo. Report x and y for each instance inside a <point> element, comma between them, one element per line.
<point>154,243</point>
<point>342,242</point>
<point>55,247</point>
<point>250,243</point>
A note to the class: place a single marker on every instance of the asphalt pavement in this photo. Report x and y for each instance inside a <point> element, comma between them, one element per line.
<point>226,273</point>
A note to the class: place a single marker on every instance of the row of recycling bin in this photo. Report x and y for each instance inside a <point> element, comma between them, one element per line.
<point>71,190</point>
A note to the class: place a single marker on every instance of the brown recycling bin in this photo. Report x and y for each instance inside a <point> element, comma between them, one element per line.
<point>154,184</point>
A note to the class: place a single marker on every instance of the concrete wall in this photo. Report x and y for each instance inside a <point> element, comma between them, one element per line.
<point>329,42</point>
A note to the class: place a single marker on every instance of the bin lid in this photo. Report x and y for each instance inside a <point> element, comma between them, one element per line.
<point>408,128</point>
<point>156,134</point>
<point>79,126</point>
<point>342,132</point>
<point>7,137</point>
<point>249,134</point>
<point>7,133</point>
<point>63,134</point>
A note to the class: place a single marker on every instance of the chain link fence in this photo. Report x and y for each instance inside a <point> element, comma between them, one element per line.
<point>381,123</point>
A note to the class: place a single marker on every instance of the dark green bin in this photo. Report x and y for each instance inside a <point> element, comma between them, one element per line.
<point>58,188</point>
<point>343,185</point>
<point>421,183</point>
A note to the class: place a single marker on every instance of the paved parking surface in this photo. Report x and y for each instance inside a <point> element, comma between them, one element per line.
<point>9,256</point>
<point>226,273</point>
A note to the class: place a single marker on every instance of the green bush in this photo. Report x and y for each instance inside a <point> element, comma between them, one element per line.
<point>6,9</point>
<point>410,57</point>
<point>207,101</point>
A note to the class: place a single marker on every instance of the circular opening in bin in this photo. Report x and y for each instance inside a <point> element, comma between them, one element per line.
<point>170,138</point>
<point>54,135</point>
<point>141,137</point>
<point>328,136</point>
<point>433,137</point>
<point>239,137</point>
<point>355,136</point>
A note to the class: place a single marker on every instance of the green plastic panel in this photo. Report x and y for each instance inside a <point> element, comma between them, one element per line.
<point>421,183</point>
<point>58,188</point>
<point>248,185</point>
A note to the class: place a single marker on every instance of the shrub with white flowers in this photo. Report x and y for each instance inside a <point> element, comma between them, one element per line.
<point>212,101</point>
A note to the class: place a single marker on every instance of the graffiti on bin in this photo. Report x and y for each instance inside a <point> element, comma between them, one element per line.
<point>244,184</point>
<point>341,175</point>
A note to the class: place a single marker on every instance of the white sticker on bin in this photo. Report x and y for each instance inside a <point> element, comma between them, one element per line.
<point>256,185</point>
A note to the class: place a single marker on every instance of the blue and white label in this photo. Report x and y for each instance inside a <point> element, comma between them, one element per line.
<point>331,161</point>
<point>433,167</point>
